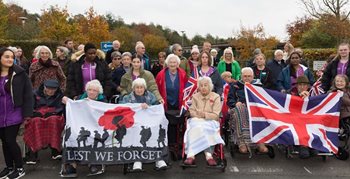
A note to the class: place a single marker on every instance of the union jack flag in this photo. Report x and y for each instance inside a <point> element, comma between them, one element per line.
<point>316,88</point>
<point>190,89</point>
<point>285,119</point>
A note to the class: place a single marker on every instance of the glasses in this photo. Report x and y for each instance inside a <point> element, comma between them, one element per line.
<point>117,58</point>
<point>180,50</point>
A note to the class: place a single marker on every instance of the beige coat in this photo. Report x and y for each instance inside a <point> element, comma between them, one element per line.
<point>210,105</point>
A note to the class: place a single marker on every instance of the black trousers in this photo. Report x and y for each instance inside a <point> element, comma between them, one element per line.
<point>10,148</point>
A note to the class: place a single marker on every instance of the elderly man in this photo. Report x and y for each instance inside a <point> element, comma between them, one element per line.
<point>237,103</point>
<point>276,65</point>
<point>116,47</point>
<point>70,45</point>
<point>141,53</point>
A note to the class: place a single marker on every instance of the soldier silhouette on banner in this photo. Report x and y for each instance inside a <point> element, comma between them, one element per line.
<point>161,137</point>
<point>145,135</point>
<point>83,135</point>
<point>97,139</point>
<point>105,136</point>
<point>121,129</point>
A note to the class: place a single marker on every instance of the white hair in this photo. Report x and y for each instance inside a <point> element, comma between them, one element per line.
<point>278,51</point>
<point>94,83</point>
<point>116,41</point>
<point>172,56</point>
<point>138,45</point>
<point>206,79</point>
<point>139,82</point>
<point>13,49</point>
<point>38,56</point>
<point>245,69</point>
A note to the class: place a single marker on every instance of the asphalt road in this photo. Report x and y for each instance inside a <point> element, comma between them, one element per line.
<point>241,166</point>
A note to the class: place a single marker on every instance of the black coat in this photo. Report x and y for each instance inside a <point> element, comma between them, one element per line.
<point>117,76</point>
<point>54,101</point>
<point>75,84</point>
<point>265,77</point>
<point>21,91</point>
<point>276,69</point>
<point>330,72</point>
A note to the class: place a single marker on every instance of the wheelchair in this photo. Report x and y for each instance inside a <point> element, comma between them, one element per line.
<point>232,141</point>
<point>344,135</point>
<point>218,153</point>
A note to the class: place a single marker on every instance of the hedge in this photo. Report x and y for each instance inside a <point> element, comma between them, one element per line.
<point>29,45</point>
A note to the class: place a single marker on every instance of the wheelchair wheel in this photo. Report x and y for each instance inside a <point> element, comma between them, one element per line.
<point>271,152</point>
<point>342,154</point>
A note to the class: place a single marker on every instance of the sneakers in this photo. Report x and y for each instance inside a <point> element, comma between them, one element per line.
<point>137,166</point>
<point>56,157</point>
<point>17,173</point>
<point>96,170</point>
<point>68,171</point>
<point>160,165</point>
<point>6,171</point>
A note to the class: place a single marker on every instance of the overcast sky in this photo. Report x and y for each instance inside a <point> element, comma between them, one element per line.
<point>218,17</point>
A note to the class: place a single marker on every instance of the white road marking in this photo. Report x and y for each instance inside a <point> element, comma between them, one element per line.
<point>233,169</point>
<point>266,170</point>
<point>308,170</point>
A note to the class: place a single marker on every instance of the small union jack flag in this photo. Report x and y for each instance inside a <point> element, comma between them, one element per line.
<point>285,119</point>
<point>190,89</point>
<point>316,88</point>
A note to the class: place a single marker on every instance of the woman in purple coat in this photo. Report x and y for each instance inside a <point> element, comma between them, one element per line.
<point>16,105</point>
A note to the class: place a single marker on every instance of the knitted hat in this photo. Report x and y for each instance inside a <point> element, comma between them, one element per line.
<point>195,49</point>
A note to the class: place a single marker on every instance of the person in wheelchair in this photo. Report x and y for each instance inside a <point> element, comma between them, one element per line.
<point>203,127</point>
<point>303,85</point>
<point>341,83</point>
<point>146,98</point>
<point>47,106</point>
<point>239,113</point>
<point>93,91</point>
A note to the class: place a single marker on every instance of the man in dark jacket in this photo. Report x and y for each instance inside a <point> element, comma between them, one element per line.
<point>276,65</point>
<point>87,68</point>
<point>115,47</point>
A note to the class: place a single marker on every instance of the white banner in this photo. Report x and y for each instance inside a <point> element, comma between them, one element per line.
<point>103,133</point>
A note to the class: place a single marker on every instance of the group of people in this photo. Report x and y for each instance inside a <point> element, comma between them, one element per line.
<point>90,73</point>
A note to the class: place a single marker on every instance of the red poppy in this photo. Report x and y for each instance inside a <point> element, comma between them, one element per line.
<point>118,116</point>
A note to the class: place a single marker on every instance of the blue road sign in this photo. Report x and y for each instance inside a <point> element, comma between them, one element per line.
<point>105,46</point>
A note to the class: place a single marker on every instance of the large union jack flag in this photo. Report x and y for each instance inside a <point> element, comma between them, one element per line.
<point>190,89</point>
<point>285,119</point>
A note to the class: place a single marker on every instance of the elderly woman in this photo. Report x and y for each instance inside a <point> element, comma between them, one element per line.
<point>121,70</point>
<point>236,101</point>
<point>229,64</point>
<point>93,91</point>
<point>276,65</point>
<point>204,69</point>
<point>204,123</point>
<point>88,67</point>
<point>146,98</point>
<point>137,72</point>
<point>116,58</point>
<point>171,82</point>
<point>286,82</point>
<point>262,72</point>
<point>46,68</point>
<point>62,58</point>
<point>177,50</point>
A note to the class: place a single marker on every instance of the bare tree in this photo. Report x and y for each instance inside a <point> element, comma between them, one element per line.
<point>318,8</point>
